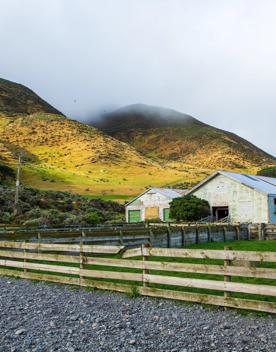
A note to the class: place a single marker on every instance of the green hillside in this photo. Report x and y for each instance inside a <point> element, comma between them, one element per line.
<point>152,147</point>
<point>165,134</point>
<point>16,99</point>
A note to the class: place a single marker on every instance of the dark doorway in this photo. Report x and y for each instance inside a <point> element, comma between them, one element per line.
<point>220,212</point>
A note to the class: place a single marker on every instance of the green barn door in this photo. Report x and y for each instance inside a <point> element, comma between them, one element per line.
<point>166,214</point>
<point>134,215</point>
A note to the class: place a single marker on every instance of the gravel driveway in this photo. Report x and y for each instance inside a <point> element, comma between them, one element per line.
<point>44,317</point>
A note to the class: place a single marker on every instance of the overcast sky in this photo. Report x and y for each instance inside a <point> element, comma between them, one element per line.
<point>212,59</point>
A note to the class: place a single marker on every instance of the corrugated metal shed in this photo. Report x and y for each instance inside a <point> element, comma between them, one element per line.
<point>152,204</point>
<point>170,193</point>
<point>261,184</point>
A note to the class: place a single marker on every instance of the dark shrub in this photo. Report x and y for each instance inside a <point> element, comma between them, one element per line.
<point>189,208</point>
<point>268,172</point>
<point>92,218</point>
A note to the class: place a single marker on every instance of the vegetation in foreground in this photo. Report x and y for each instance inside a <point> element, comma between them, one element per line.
<point>51,208</point>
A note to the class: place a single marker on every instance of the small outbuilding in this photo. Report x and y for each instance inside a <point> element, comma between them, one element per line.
<point>152,204</point>
<point>239,197</point>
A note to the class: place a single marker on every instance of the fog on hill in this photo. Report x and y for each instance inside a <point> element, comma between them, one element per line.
<point>214,60</point>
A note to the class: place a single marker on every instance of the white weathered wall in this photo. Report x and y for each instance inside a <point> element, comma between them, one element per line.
<point>245,204</point>
<point>149,200</point>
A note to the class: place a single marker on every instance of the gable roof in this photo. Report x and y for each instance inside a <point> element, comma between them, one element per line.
<point>170,193</point>
<point>261,184</point>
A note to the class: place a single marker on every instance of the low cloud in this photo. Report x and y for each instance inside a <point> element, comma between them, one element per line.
<point>214,60</point>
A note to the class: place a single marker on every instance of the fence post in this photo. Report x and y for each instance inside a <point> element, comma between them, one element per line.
<point>25,260</point>
<point>151,237</point>
<point>168,236</point>
<point>224,233</point>
<point>81,260</point>
<point>197,235</point>
<point>121,238</point>
<point>261,231</point>
<point>238,232</point>
<point>208,233</point>
<point>145,258</point>
<point>83,235</point>
<point>249,232</point>
<point>227,278</point>
<point>182,236</point>
<point>266,232</point>
<point>38,240</point>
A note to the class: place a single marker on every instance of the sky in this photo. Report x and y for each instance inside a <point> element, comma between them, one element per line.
<point>212,59</point>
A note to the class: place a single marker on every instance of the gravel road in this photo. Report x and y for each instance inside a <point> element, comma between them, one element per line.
<point>42,317</point>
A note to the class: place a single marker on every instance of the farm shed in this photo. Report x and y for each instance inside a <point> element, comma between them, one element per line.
<point>241,198</point>
<point>152,204</point>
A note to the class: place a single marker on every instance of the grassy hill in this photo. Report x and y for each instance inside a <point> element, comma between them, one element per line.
<point>16,99</point>
<point>63,154</point>
<point>164,134</point>
<point>150,148</point>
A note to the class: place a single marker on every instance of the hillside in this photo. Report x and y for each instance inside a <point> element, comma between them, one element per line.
<point>16,99</point>
<point>153,147</point>
<point>63,154</point>
<point>50,208</point>
<point>164,134</point>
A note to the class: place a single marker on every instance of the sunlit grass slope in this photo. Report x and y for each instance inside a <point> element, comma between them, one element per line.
<point>63,154</point>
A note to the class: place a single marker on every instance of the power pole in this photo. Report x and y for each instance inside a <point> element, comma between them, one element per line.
<point>17,183</point>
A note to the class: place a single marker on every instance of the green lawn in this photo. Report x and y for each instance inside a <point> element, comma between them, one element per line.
<point>239,245</point>
<point>113,197</point>
<point>235,245</point>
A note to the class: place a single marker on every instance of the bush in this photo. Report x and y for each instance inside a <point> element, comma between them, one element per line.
<point>52,217</point>
<point>7,218</point>
<point>72,220</point>
<point>56,208</point>
<point>33,222</point>
<point>92,218</point>
<point>189,208</point>
<point>268,172</point>
<point>34,213</point>
<point>6,172</point>
<point>153,220</point>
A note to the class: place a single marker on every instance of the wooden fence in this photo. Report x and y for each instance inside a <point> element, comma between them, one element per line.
<point>259,231</point>
<point>182,274</point>
<point>157,235</point>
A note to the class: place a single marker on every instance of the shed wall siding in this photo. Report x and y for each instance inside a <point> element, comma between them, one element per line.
<point>272,209</point>
<point>245,204</point>
<point>149,200</point>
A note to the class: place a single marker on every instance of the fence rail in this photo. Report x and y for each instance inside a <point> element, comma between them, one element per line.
<point>156,272</point>
<point>157,235</point>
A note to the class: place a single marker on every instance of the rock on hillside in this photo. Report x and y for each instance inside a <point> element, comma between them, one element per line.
<point>16,99</point>
<point>169,135</point>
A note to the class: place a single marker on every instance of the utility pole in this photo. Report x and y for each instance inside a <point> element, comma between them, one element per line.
<point>17,183</point>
